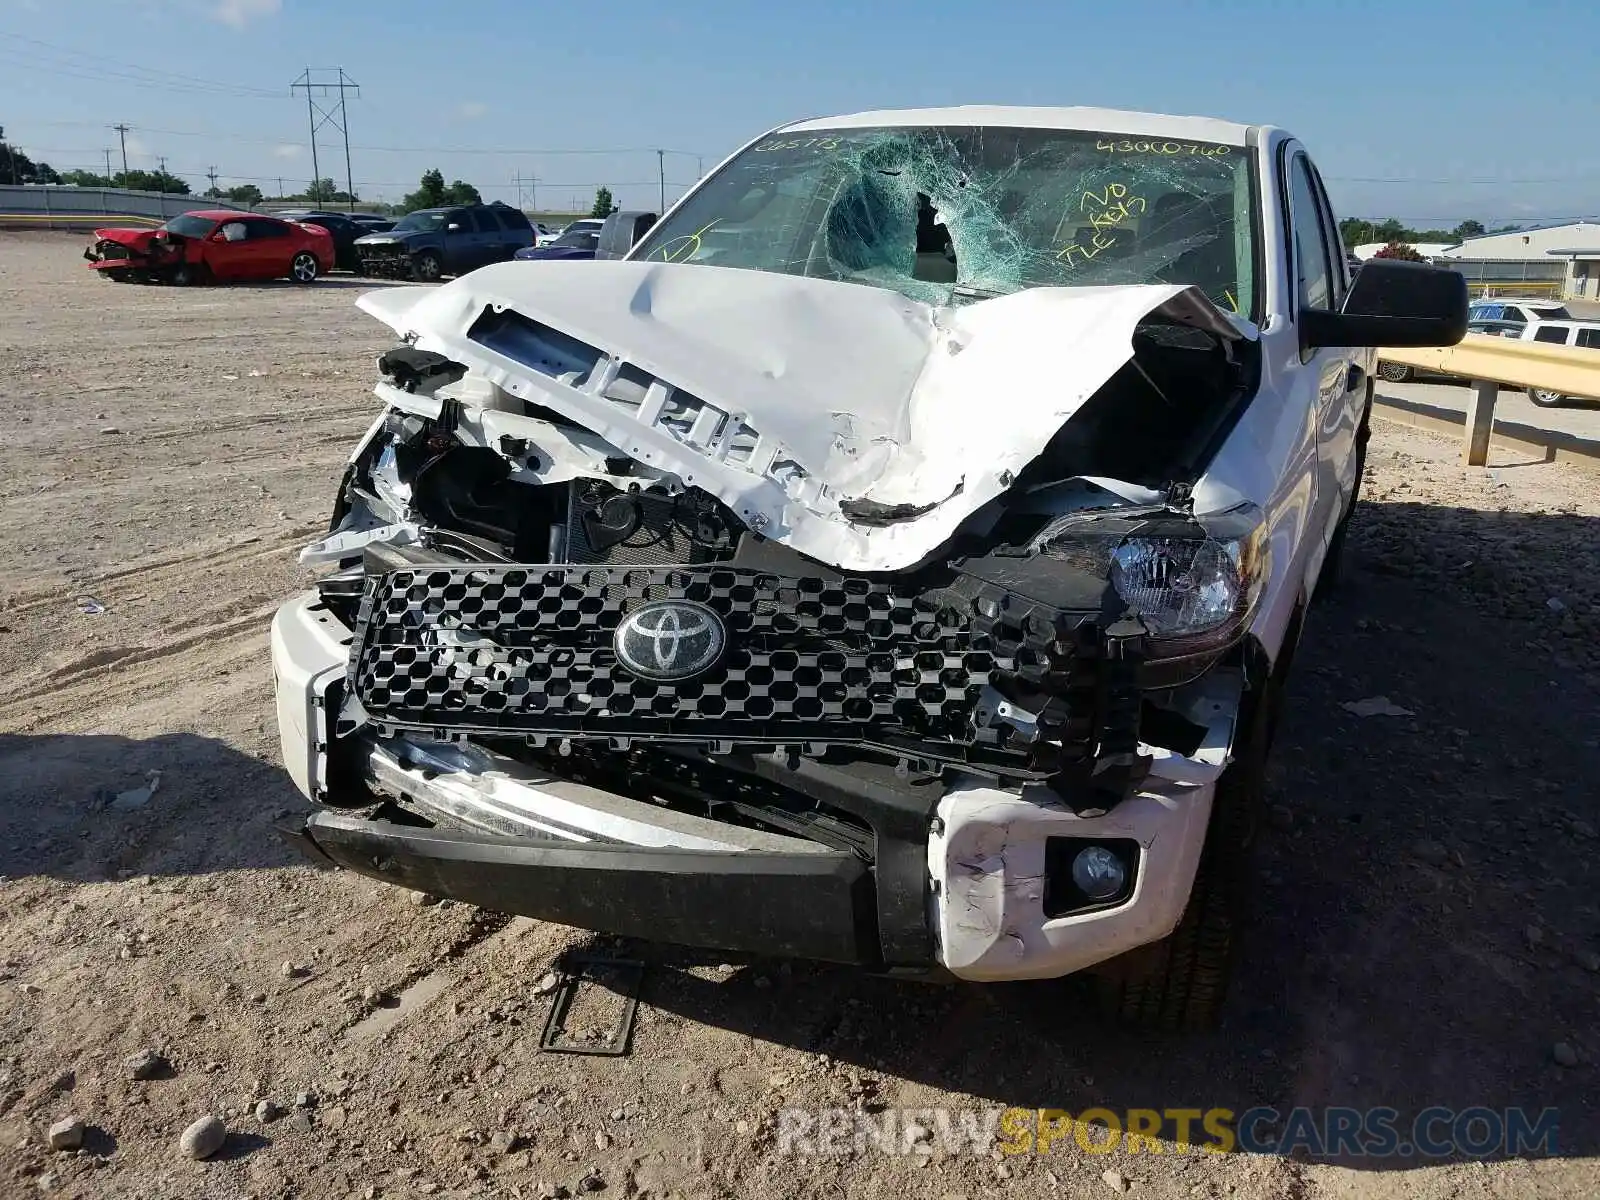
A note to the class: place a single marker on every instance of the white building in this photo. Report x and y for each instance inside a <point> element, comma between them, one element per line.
<point>1529,262</point>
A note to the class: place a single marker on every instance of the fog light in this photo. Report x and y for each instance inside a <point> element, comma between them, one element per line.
<point>1098,873</point>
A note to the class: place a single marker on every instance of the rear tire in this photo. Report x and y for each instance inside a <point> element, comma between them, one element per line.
<point>1180,982</point>
<point>427,267</point>
<point>304,268</point>
<point>1395,372</point>
<point>1545,398</point>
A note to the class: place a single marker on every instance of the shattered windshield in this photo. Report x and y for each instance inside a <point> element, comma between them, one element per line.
<point>190,226</point>
<point>943,213</point>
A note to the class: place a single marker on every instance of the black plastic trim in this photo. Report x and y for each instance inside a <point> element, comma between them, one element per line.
<point>806,905</point>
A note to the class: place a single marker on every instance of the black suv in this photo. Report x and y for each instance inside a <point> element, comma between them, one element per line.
<point>433,242</point>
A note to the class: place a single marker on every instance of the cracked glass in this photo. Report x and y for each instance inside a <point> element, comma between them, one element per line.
<point>944,214</point>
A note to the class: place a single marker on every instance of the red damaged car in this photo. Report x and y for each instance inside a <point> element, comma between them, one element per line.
<point>221,246</point>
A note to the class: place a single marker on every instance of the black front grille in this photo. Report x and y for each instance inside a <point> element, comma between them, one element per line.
<point>529,651</point>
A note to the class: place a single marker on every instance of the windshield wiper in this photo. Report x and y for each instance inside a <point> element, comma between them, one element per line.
<point>969,291</point>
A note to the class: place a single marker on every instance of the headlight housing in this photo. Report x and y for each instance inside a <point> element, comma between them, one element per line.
<point>1192,589</point>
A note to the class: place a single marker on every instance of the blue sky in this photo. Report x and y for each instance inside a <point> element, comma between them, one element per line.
<point>1459,107</point>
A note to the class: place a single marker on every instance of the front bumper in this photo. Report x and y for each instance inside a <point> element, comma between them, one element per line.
<point>385,260</point>
<point>961,875</point>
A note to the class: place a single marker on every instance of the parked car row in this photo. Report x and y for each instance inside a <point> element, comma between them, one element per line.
<point>301,244</point>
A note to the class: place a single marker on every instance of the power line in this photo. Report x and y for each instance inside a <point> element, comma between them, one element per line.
<point>509,151</point>
<point>148,76</point>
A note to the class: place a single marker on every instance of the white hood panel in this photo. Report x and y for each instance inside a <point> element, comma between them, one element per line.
<point>786,396</point>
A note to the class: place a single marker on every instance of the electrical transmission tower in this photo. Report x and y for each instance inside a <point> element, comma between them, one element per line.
<point>320,84</point>
<point>527,191</point>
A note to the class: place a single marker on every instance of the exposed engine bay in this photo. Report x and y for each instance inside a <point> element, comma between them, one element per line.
<point>502,532</point>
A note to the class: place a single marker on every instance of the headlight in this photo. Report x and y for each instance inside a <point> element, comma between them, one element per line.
<point>1193,590</point>
<point>1186,588</point>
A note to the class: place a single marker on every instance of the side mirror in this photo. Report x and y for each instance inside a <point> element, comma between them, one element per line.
<point>1393,303</point>
<point>453,227</point>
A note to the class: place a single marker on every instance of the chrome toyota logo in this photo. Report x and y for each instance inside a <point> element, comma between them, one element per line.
<point>669,639</point>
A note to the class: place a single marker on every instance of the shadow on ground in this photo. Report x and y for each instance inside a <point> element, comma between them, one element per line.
<point>71,806</point>
<point>1426,923</point>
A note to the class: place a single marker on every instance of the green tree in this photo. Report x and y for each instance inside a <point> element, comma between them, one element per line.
<point>603,206</point>
<point>245,193</point>
<point>1469,228</point>
<point>430,194</point>
<point>17,167</point>
<point>462,193</point>
<point>85,179</point>
<point>151,181</point>
<point>321,191</point>
<point>1401,251</point>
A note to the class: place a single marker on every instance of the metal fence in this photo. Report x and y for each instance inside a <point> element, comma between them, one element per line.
<point>1487,277</point>
<point>31,206</point>
<point>1493,362</point>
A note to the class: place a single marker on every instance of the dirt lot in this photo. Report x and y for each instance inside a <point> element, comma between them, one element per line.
<point>1428,928</point>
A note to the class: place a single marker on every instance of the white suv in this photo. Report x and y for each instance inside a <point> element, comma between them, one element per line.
<point>1559,333</point>
<point>897,559</point>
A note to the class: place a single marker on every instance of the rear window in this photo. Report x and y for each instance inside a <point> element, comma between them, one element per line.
<point>513,219</point>
<point>1550,333</point>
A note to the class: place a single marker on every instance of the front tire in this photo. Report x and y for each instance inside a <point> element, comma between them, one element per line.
<point>428,267</point>
<point>1395,372</point>
<point>304,268</point>
<point>1180,982</point>
<point>1545,398</point>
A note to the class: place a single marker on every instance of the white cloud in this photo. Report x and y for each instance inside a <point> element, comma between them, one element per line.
<point>240,13</point>
<point>472,109</point>
<point>286,150</point>
<point>137,146</point>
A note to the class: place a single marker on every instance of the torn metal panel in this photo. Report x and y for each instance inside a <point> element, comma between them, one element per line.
<point>786,397</point>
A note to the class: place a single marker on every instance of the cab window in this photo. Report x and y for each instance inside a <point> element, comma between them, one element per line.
<point>1313,263</point>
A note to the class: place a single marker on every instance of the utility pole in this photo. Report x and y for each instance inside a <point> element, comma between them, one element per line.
<point>332,80</point>
<point>212,175</point>
<point>122,137</point>
<point>161,162</point>
<point>661,169</point>
<point>108,164</point>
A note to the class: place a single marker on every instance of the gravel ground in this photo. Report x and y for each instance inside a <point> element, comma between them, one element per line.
<point>1428,930</point>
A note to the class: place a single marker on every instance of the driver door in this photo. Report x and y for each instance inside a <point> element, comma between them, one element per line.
<point>1338,374</point>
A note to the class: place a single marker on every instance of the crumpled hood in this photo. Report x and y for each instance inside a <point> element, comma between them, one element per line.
<point>135,238</point>
<point>389,235</point>
<point>880,422</point>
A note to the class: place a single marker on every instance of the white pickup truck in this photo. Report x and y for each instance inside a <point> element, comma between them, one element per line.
<point>895,560</point>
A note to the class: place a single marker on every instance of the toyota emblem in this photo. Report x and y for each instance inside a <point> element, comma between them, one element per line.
<point>669,639</point>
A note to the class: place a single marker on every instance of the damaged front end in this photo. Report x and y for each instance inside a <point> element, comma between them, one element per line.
<point>134,252</point>
<point>839,644</point>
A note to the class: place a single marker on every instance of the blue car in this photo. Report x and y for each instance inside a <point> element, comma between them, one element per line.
<point>573,243</point>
